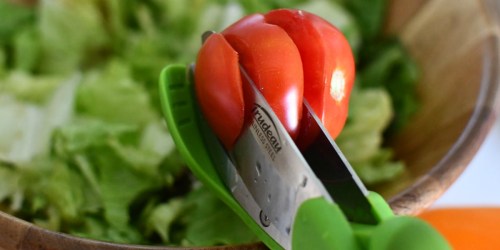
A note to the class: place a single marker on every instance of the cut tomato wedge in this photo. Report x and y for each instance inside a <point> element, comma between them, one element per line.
<point>219,90</point>
<point>329,68</point>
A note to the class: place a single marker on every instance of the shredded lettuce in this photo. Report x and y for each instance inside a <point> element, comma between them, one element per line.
<point>13,18</point>
<point>69,30</point>
<point>83,148</point>
<point>26,49</point>
<point>26,127</point>
<point>30,89</point>
<point>390,67</point>
<point>206,222</point>
<point>3,59</point>
<point>361,140</point>
<point>110,94</point>
<point>369,15</point>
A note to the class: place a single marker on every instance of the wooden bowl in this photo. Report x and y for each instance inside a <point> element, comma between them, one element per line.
<point>456,43</point>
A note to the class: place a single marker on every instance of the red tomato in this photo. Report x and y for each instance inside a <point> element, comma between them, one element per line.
<point>289,54</point>
<point>328,68</point>
<point>218,88</point>
<point>273,62</point>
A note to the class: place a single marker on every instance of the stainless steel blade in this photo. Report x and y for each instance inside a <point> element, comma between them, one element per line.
<point>272,169</point>
<point>336,174</point>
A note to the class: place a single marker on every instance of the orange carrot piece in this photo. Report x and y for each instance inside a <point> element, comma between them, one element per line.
<point>467,228</point>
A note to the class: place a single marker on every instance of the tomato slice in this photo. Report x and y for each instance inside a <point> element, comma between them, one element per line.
<point>273,62</point>
<point>219,90</point>
<point>329,68</point>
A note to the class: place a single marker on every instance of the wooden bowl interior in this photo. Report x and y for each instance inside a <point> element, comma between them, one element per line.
<point>455,44</point>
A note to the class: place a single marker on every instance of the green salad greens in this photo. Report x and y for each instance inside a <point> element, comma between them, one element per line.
<point>83,146</point>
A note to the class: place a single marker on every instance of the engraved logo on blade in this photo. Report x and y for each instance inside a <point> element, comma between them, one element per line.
<point>265,129</point>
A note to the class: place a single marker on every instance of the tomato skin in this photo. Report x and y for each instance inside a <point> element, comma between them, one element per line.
<point>329,68</point>
<point>218,88</point>
<point>273,62</point>
<point>289,54</point>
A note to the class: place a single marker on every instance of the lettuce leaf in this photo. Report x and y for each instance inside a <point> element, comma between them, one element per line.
<point>369,14</point>
<point>207,222</point>
<point>118,171</point>
<point>9,186</point>
<point>26,50</point>
<point>27,125</point>
<point>390,67</point>
<point>70,31</point>
<point>361,140</point>
<point>3,62</point>
<point>161,219</point>
<point>25,87</point>
<point>111,94</point>
<point>13,17</point>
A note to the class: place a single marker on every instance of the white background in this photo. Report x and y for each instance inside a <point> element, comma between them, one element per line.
<point>479,185</point>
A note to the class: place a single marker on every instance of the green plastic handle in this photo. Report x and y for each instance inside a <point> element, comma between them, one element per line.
<point>319,224</point>
<point>322,225</point>
<point>404,232</point>
<point>181,114</point>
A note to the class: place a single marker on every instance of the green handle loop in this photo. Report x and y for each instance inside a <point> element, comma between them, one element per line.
<point>320,224</point>
<point>407,233</point>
